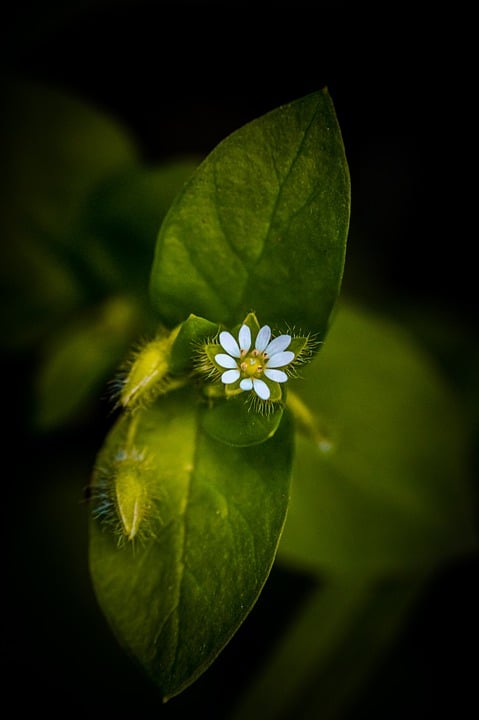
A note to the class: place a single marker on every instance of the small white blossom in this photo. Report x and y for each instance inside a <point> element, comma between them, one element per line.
<point>250,365</point>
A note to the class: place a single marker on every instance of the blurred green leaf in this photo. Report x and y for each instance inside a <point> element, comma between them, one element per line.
<point>54,149</point>
<point>115,239</point>
<point>261,225</point>
<point>184,531</point>
<point>393,493</point>
<point>81,358</point>
<point>120,224</point>
<point>37,289</point>
<point>329,650</point>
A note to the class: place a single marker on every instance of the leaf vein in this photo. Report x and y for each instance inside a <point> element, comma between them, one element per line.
<point>281,185</point>
<point>182,561</point>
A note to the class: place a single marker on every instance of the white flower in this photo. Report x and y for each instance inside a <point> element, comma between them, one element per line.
<point>249,366</point>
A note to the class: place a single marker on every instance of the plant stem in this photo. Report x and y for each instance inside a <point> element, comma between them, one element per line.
<point>308,423</point>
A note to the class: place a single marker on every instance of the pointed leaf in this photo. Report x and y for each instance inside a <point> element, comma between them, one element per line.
<point>261,225</point>
<point>184,531</point>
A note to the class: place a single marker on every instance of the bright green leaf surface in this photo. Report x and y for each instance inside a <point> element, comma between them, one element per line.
<point>393,492</point>
<point>207,526</point>
<point>261,225</point>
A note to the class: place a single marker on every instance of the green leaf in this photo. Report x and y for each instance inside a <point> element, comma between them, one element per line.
<point>39,289</point>
<point>382,482</point>
<point>54,149</point>
<point>261,225</point>
<point>334,643</point>
<point>183,534</point>
<point>234,422</point>
<point>193,331</point>
<point>82,357</point>
<point>120,221</point>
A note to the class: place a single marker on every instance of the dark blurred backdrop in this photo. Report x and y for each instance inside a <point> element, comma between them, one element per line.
<point>181,76</point>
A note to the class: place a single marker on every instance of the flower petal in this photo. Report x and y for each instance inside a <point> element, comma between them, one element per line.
<point>262,338</point>
<point>230,376</point>
<point>244,338</point>
<point>229,344</point>
<point>276,375</point>
<point>280,359</point>
<point>246,384</point>
<point>261,389</point>
<point>226,361</point>
<point>278,344</point>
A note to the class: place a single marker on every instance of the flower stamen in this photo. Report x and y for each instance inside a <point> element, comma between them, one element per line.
<point>245,368</point>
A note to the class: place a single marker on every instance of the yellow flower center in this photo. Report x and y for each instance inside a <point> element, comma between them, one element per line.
<point>252,364</point>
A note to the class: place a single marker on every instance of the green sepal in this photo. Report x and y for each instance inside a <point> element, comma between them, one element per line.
<point>252,322</point>
<point>275,389</point>
<point>257,405</point>
<point>190,335</point>
<point>209,352</point>
<point>232,390</point>
<point>303,348</point>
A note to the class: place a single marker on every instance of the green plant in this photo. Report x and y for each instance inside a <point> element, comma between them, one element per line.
<point>202,474</point>
<point>334,461</point>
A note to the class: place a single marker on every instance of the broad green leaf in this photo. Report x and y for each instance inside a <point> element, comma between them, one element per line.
<point>393,492</point>
<point>81,359</point>
<point>261,225</point>
<point>184,531</point>
<point>54,149</point>
<point>234,422</point>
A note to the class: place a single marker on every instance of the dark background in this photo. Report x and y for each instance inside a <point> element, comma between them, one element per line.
<point>182,76</point>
